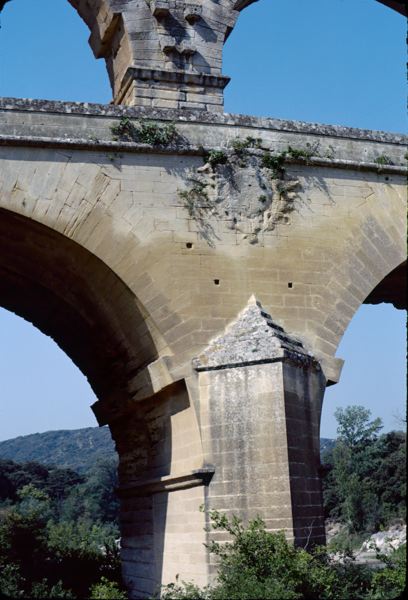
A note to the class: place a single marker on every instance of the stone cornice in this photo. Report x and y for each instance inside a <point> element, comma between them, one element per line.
<point>168,483</point>
<point>187,150</point>
<point>198,117</point>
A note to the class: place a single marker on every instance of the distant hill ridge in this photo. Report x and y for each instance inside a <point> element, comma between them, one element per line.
<point>77,449</point>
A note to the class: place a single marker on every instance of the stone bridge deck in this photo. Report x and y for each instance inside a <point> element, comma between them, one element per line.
<point>347,213</point>
<point>203,299</point>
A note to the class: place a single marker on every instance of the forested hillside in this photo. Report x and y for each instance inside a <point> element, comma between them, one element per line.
<point>59,522</point>
<point>58,531</point>
<point>77,449</point>
<point>326,444</point>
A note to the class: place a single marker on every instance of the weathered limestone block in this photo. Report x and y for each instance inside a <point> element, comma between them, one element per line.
<point>162,485</point>
<point>260,401</point>
<point>175,44</point>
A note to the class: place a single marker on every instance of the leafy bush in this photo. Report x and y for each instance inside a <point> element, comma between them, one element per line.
<point>146,132</point>
<point>107,590</point>
<point>43,558</point>
<point>274,163</point>
<point>383,159</point>
<point>241,147</point>
<point>259,564</point>
<point>216,157</point>
<point>391,581</point>
<point>154,134</point>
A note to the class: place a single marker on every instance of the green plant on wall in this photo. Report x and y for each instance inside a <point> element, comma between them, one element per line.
<point>199,206</point>
<point>274,163</point>
<point>195,199</point>
<point>154,134</point>
<point>382,160</point>
<point>241,146</point>
<point>144,132</point>
<point>124,130</point>
<point>301,153</point>
<point>234,199</point>
<point>215,157</point>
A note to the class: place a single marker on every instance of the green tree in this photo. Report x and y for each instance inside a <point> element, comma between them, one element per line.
<point>40,557</point>
<point>95,500</point>
<point>365,482</point>
<point>355,428</point>
<point>355,458</point>
<point>107,590</point>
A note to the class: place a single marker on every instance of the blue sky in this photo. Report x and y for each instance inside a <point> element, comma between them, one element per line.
<point>328,61</point>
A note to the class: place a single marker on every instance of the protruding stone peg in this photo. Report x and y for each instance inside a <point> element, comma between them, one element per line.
<point>159,8</point>
<point>192,13</point>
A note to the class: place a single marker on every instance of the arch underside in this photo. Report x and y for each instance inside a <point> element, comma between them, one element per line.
<point>76,299</point>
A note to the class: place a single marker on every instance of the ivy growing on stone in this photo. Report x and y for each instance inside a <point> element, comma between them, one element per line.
<point>383,160</point>
<point>195,198</point>
<point>144,132</point>
<point>216,157</point>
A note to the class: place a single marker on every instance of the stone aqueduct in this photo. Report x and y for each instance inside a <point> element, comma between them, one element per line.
<point>204,303</point>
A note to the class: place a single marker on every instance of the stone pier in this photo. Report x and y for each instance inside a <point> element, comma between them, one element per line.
<point>200,269</point>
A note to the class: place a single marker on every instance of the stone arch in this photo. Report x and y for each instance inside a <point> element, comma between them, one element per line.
<point>374,269</point>
<point>72,296</point>
<point>75,298</point>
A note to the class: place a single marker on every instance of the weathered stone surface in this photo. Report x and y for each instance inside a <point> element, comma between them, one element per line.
<point>99,250</point>
<point>136,258</point>
<point>252,339</point>
<point>260,426</point>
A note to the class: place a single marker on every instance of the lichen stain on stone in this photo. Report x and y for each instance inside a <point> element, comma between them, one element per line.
<point>243,195</point>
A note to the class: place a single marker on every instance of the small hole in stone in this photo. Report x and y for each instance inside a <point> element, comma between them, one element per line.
<point>226,213</point>
<point>387,179</point>
<point>290,284</point>
<point>189,245</point>
<point>216,281</point>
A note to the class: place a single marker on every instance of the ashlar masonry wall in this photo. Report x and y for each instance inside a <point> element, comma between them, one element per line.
<point>230,260</point>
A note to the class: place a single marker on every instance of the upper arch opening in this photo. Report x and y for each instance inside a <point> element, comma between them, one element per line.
<point>45,54</point>
<point>319,62</point>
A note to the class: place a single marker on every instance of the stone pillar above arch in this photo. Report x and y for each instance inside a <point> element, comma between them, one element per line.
<point>167,53</point>
<point>162,53</point>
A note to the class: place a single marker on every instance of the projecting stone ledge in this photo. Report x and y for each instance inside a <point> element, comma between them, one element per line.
<point>253,339</point>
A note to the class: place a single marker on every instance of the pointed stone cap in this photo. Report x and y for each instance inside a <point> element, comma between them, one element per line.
<point>252,339</point>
